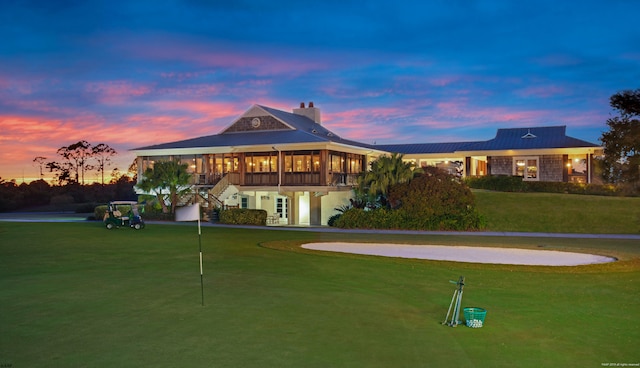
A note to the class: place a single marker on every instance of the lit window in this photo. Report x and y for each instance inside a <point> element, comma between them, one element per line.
<point>527,167</point>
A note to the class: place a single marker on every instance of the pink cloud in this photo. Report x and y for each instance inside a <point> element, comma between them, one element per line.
<point>117,92</point>
<point>261,62</point>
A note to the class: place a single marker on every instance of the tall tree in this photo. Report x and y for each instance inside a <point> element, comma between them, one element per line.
<point>167,180</point>
<point>102,153</point>
<point>40,161</point>
<point>385,172</point>
<point>76,162</point>
<point>621,143</point>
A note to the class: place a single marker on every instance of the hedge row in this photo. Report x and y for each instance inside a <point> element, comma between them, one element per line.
<point>147,212</point>
<point>505,183</point>
<point>383,218</point>
<point>243,216</point>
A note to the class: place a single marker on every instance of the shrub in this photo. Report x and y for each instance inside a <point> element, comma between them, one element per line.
<point>358,218</point>
<point>86,208</point>
<point>503,183</point>
<point>243,216</point>
<point>62,199</point>
<point>435,201</point>
<point>432,201</point>
<point>99,212</point>
<point>332,220</point>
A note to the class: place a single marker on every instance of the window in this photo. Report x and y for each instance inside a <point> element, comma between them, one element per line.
<point>577,164</point>
<point>256,162</point>
<point>304,161</point>
<point>337,162</point>
<point>342,162</point>
<point>527,167</point>
<point>281,207</point>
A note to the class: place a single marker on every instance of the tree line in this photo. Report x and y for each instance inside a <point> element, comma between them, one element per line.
<point>76,160</point>
<point>69,188</point>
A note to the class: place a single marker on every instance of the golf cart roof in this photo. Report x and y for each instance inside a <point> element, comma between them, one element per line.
<point>131,203</point>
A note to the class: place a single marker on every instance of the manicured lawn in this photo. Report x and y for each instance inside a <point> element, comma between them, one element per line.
<point>76,295</point>
<point>559,213</point>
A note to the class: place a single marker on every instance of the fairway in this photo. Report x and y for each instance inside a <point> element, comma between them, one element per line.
<point>75,294</point>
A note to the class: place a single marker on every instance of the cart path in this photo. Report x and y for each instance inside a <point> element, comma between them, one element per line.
<point>81,217</point>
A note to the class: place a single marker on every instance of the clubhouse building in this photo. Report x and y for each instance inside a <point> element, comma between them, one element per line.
<point>292,166</point>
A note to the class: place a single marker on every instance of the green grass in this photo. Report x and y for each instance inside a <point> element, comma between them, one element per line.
<point>76,295</point>
<point>559,213</point>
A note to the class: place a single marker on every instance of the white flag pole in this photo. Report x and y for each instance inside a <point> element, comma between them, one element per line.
<point>201,277</point>
<point>192,213</point>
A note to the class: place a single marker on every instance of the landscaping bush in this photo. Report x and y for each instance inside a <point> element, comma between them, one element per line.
<point>504,183</point>
<point>358,218</point>
<point>434,200</point>
<point>99,212</point>
<point>501,183</point>
<point>86,208</point>
<point>332,220</point>
<point>243,216</point>
<point>62,199</point>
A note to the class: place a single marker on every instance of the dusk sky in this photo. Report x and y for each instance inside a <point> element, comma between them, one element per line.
<point>136,73</point>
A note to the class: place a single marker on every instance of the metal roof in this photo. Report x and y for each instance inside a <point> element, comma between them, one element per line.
<point>417,148</point>
<point>305,130</point>
<point>530,138</point>
<point>505,139</point>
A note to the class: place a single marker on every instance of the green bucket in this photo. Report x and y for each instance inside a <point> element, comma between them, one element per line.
<point>474,317</point>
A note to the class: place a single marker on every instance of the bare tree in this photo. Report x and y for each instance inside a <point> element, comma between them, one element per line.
<point>102,153</point>
<point>40,161</point>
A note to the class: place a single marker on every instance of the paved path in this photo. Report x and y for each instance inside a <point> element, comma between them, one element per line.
<point>80,217</point>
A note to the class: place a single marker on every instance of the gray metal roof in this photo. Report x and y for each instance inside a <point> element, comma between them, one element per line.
<point>305,130</point>
<point>417,148</point>
<point>530,138</point>
<point>505,139</point>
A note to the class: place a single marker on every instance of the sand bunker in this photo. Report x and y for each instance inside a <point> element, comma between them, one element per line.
<point>465,254</point>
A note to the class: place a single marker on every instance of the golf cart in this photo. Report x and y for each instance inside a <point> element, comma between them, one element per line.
<point>114,217</point>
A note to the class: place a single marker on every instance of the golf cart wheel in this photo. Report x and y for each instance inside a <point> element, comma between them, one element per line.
<point>137,226</point>
<point>110,225</point>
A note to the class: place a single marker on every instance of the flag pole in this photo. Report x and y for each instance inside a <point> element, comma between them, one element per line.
<point>192,213</point>
<point>200,246</point>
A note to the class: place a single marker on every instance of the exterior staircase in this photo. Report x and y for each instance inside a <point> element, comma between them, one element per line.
<point>209,199</point>
<point>221,191</point>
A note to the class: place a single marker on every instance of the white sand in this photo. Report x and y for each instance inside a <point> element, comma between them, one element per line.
<point>465,254</point>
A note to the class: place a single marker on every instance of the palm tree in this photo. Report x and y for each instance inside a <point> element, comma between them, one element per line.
<point>167,180</point>
<point>385,172</point>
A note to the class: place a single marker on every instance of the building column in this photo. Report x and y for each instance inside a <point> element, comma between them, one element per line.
<point>589,171</point>
<point>467,167</point>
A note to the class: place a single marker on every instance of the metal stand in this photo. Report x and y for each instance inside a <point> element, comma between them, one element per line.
<point>457,299</point>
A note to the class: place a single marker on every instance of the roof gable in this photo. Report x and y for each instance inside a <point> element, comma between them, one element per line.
<point>256,119</point>
<point>274,127</point>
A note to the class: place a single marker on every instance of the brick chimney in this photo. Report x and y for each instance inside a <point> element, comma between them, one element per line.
<point>311,112</point>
